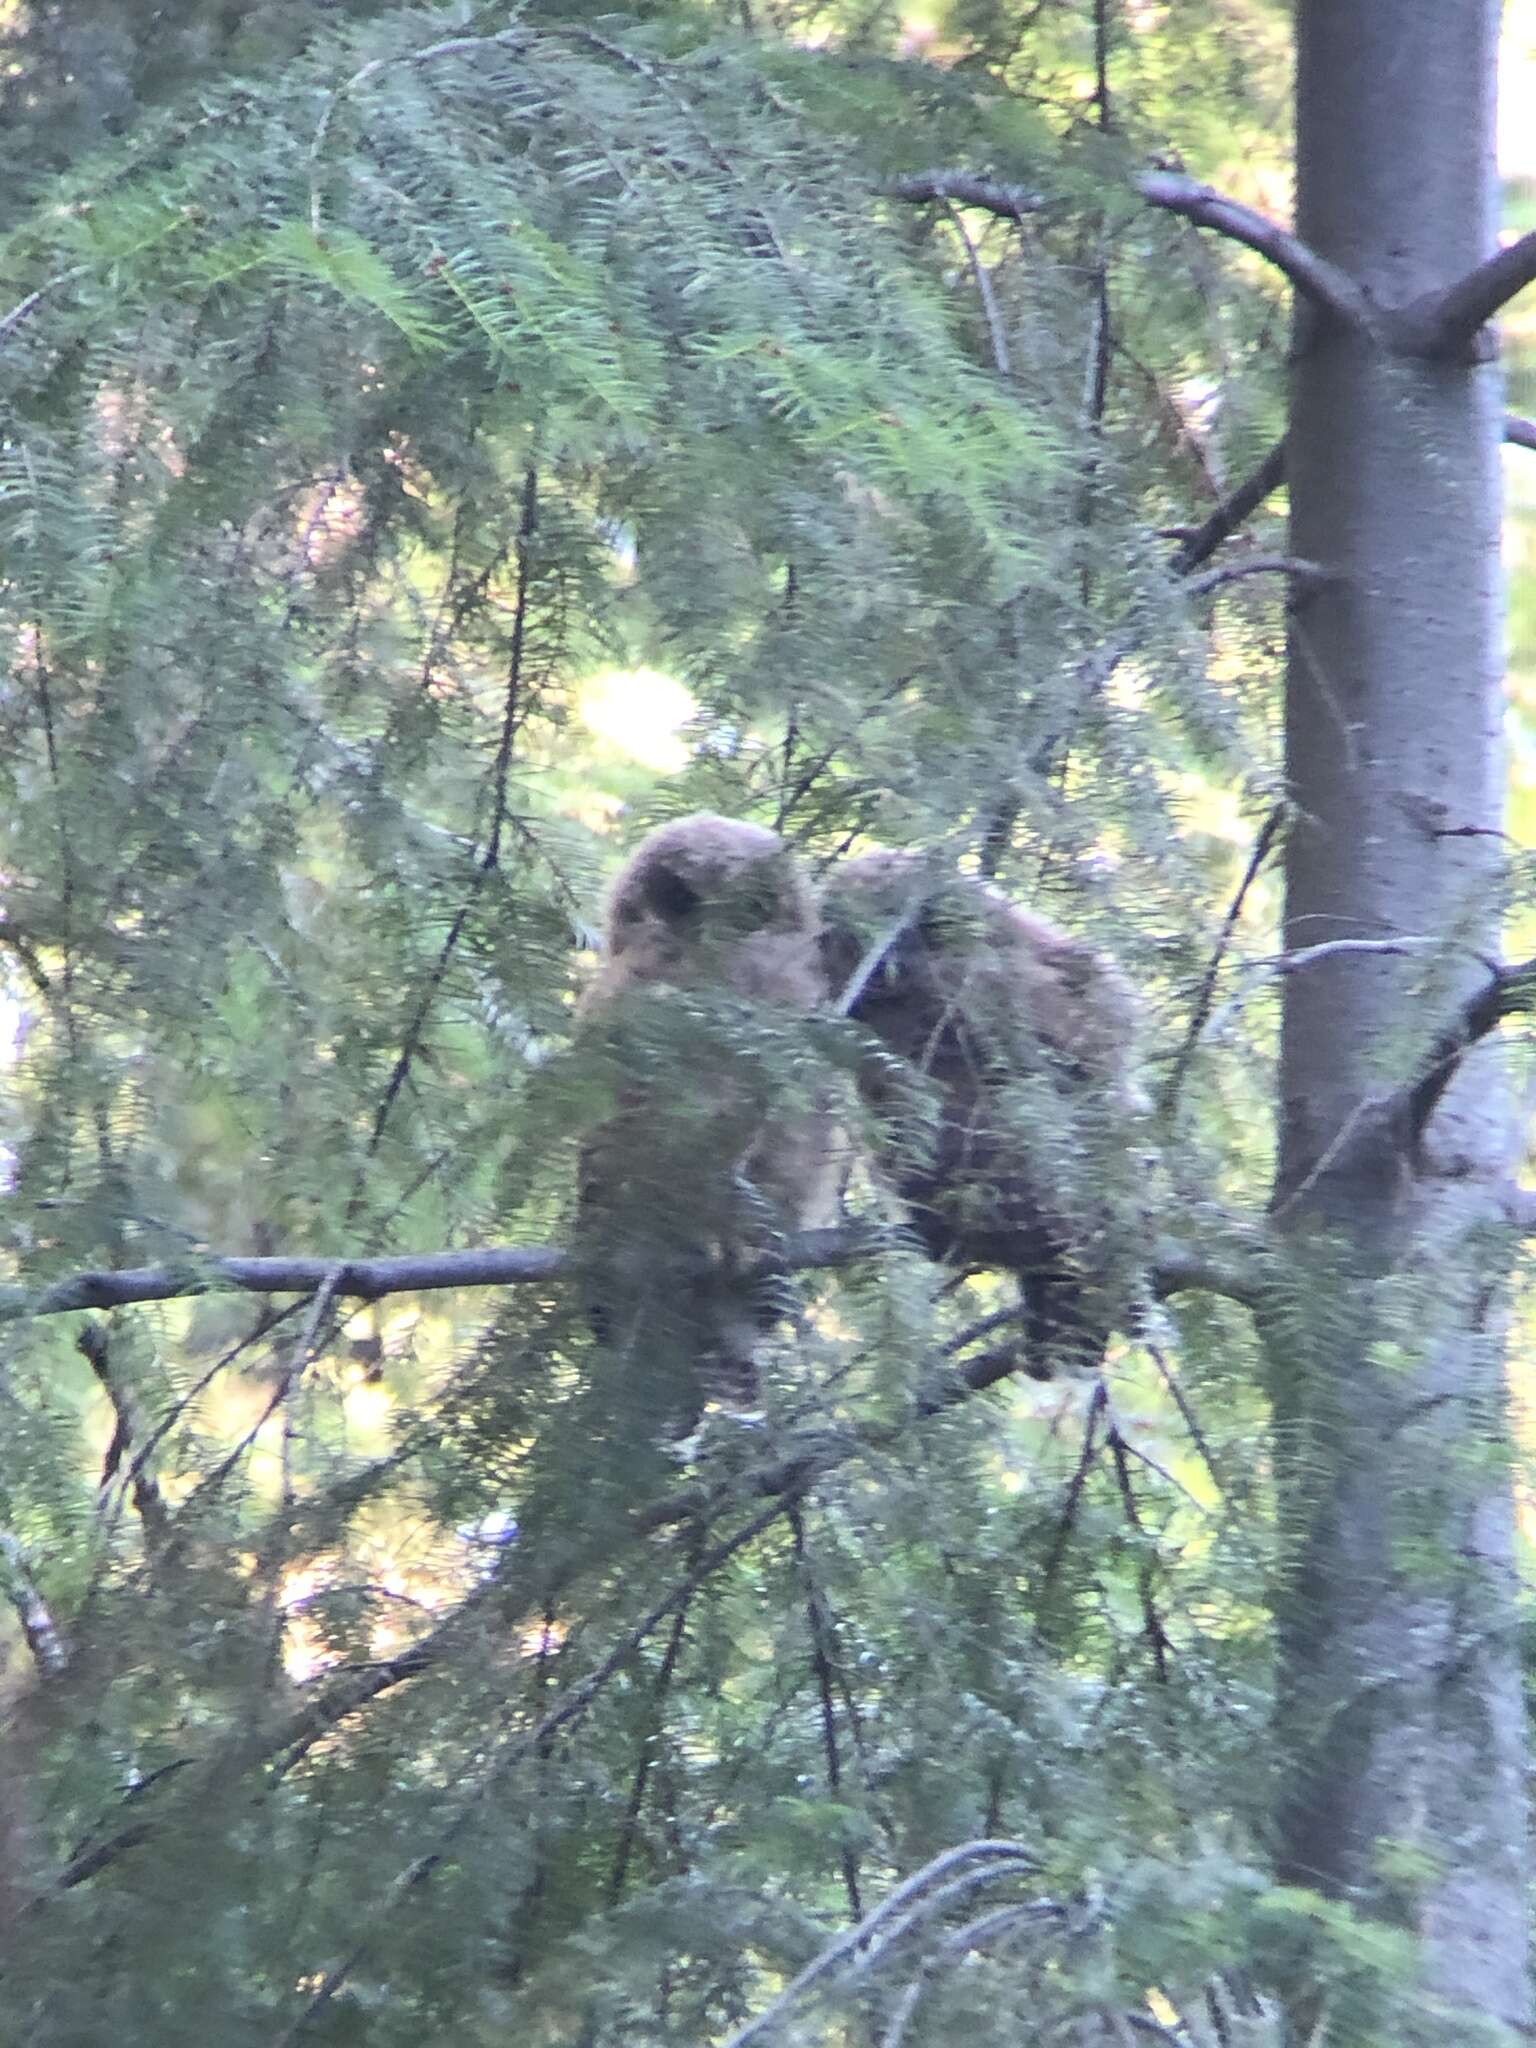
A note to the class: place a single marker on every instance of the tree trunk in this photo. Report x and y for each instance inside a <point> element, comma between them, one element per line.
<point>1401,1714</point>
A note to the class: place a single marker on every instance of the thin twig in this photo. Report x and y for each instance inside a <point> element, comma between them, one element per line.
<point>1170,1380</point>
<point>489,859</point>
<point>1010,1855</point>
<point>1152,1622</point>
<point>1096,1407</point>
<point>1256,565</point>
<point>578,1699</point>
<point>820,1628</point>
<point>1199,1016</point>
<point>29,305</point>
<point>1002,362</point>
<point>649,1745</point>
<point>94,1345</point>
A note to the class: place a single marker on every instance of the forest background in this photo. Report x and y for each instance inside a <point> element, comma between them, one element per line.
<point>435,445</point>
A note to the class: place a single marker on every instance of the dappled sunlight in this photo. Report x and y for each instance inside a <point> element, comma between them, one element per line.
<point>638,713</point>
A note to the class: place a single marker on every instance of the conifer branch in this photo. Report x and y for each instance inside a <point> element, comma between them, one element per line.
<point>781,1486</point>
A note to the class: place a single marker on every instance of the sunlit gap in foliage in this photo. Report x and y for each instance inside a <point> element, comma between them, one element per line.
<point>640,713</point>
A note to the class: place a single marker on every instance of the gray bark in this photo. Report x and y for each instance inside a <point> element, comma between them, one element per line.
<point>1401,1717</point>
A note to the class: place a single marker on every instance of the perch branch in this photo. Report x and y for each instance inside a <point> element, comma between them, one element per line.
<point>1178,1268</point>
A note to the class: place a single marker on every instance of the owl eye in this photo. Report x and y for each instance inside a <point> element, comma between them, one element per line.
<point>669,897</point>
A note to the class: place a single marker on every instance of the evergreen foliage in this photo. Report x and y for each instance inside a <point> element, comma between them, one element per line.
<point>377,380</point>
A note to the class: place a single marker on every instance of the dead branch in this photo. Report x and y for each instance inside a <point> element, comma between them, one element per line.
<point>1256,565</point>
<point>1232,512</point>
<point>964,188</point>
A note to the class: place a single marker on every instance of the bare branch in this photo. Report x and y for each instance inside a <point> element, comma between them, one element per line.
<point>1508,992</point>
<point>94,1346</point>
<point>963,188</point>
<point>1442,323</point>
<point>1230,515</point>
<point>996,332</point>
<point>1151,1620</point>
<point>1319,280</point>
<point>1257,565</point>
<point>822,1630</point>
<point>359,1279</point>
<point>1178,1269</point>
<point>1519,432</point>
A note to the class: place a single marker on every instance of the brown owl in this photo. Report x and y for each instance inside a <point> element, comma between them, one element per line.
<point>998,1071</point>
<point>719,1142</point>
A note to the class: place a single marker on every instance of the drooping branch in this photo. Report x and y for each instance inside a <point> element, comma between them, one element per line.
<point>1171,192</point>
<point>1322,282</point>
<point>1442,323</point>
